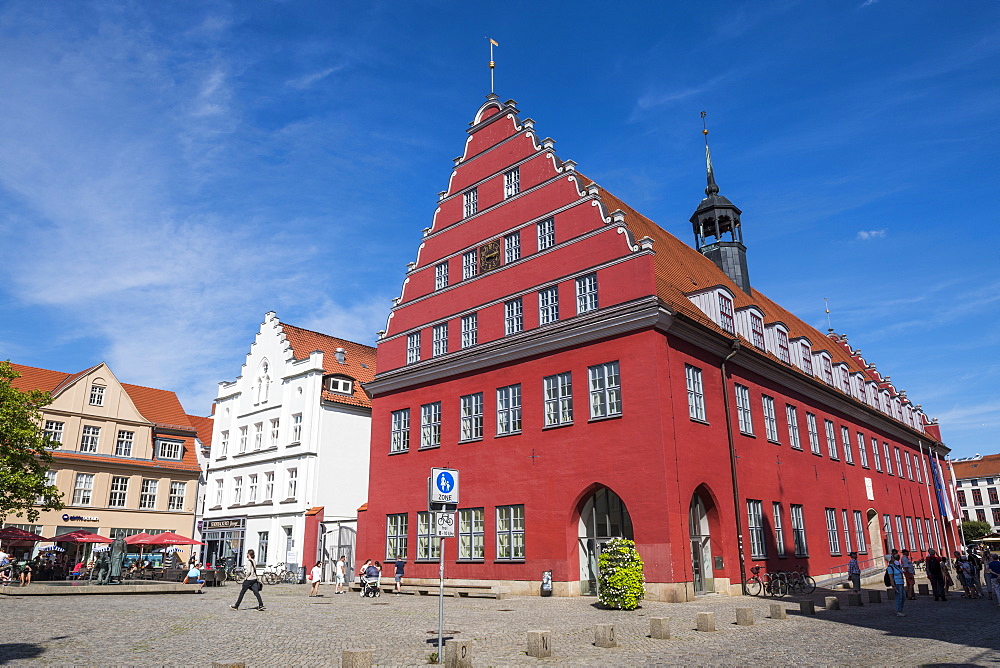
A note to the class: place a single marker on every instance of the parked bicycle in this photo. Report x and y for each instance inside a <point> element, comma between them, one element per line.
<point>766,583</point>
<point>280,574</point>
<point>235,573</point>
<point>798,581</point>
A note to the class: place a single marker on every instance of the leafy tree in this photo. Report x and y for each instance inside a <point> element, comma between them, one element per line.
<point>25,451</point>
<point>621,583</point>
<point>974,530</point>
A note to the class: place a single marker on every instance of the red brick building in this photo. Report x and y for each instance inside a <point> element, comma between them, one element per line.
<point>592,376</point>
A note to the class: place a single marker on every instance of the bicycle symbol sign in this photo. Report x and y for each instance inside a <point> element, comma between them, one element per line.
<point>444,486</point>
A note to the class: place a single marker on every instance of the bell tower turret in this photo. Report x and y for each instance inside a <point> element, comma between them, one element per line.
<point>717,231</point>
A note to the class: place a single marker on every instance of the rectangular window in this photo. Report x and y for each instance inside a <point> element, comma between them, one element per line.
<point>237,490</point>
<point>439,340</point>
<point>860,529</point>
<point>395,536</point>
<point>470,330</point>
<point>586,293</point>
<point>147,495</point>
<point>792,416</point>
<point>119,491</point>
<point>807,363</point>
<point>918,466</point>
<point>262,543</point>
<point>909,466</point>
<point>50,481</point>
<point>743,413</point>
<point>779,529</point>
<point>470,202</point>
<point>512,247</point>
<point>399,439</point>
<point>770,420</point>
<point>827,371</point>
<point>799,531</point>
<point>831,531</point>
<point>782,346</point>
<point>757,331</point>
<point>845,440</point>
<point>847,531</point>
<point>123,447</point>
<point>558,399</point>
<point>831,439</point>
<point>510,532</point>
<point>813,433</point>
<point>83,488</point>
<point>513,316</point>
<point>755,523</point>
<point>696,393</point>
<point>605,390</point>
<point>509,410</point>
<point>218,492</point>
<point>876,455</point>
<point>430,425</point>
<point>726,314</point>
<point>276,431</point>
<point>923,540</point>
<point>269,486</point>
<point>293,483</point>
<point>899,463</point>
<point>996,516</point>
<point>243,440</point>
<point>512,182</point>
<point>992,492</point>
<point>961,497</point>
<point>177,490</point>
<point>54,430</point>
<point>441,275</point>
<point>470,265</point>
<point>548,305</point>
<point>428,544</point>
<point>253,488</point>
<point>472,416</point>
<point>169,450</point>
<point>909,533</point>
<point>546,234</point>
<point>899,532</point>
<point>296,429</point>
<point>224,444</point>
<point>470,534</point>
<point>887,528</point>
<point>888,461</point>
<point>258,435</point>
<point>862,450</point>
<point>90,438</point>
<point>977,497</point>
<point>96,395</point>
<point>413,347</point>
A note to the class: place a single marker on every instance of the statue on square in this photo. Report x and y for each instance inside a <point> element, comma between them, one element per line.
<point>102,568</point>
<point>118,552</point>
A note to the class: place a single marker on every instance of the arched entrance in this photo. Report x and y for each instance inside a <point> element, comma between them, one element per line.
<point>875,538</point>
<point>702,574</point>
<point>603,516</point>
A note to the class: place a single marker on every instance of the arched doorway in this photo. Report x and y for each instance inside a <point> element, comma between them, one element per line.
<point>702,574</point>
<point>875,536</point>
<point>603,516</point>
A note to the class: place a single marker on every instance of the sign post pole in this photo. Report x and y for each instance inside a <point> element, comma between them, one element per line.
<point>442,495</point>
<point>441,601</point>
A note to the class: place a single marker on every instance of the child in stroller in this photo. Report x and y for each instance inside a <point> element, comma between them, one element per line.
<point>371,577</point>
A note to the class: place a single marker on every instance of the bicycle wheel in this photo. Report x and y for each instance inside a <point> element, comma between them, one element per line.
<point>289,577</point>
<point>780,588</point>
<point>808,584</point>
<point>271,578</point>
<point>239,576</point>
<point>754,586</point>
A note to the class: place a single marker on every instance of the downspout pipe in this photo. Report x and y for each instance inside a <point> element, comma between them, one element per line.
<point>734,348</point>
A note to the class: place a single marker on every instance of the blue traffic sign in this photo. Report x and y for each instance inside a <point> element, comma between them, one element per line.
<point>443,486</point>
<point>445,482</point>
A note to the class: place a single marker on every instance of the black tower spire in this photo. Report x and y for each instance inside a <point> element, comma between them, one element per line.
<point>717,232</point>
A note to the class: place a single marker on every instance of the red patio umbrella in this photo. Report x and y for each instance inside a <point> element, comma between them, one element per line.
<point>13,533</point>
<point>170,538</point>
<point>79,536</point>
<point>140,539</point>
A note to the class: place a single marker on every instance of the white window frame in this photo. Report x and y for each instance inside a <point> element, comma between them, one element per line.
<point>175,499</point>
<point>252,488</point>
<point>510,543</point>
<point>470,330</point>
<point>770,419</point>
<point>258,435</point>
<point>743,414</point>
<point>439,340</point>
<point>237,490</point>
<point>54,430</point>
<point>792,419</point>
<point>909,533</point>
<point>799,530</point>
<point>558,398</point>
<point>413,347</point>
<point>513,316</point>
<point>509,410</point>
<point>83,489</point>
<point>269,485</point>
<point>292,476</point>
<point>899,463</point>
<point>726,317</point>
<point>470,264</point>
<point>223,442</point>
<point>430,425</point>
<point>605,390</point>
<point>470,202</point>
<point>805,351</point>
<point>546,233</point>
<point>813,430</point>
<point>297,428</point>
<point>846,526</point>
<point>832,533</point>
<point>757,331</point>
<point>755,525</point>
<point>876,455</point>
<point>275,431</point>
<point>831,439</point>
<point>548,305</point>
<point>399,436</point>
<point>97,395</point>
<point>512,247</point>
<point>471,412</point>
<point>845,442</point>
<point>90,439</point>
<point>118,496</point>
<point>147,494</point>
<point>428,545</point>
<point>471,534</point>
<point>863,450</point>
<point>124,443</point>
<point>169,449</point>
<point>511,182</point>
<point>695,392</point>
<point>441,275</point>
<point>586,294</point>
<point>779,529</point>
<point>219,489</point>
<point>396,526</point>
<point>243,439</point>
<point>783,347</point>
<point>860,529</point>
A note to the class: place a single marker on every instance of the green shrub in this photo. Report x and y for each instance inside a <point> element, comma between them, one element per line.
<point>621,583</point>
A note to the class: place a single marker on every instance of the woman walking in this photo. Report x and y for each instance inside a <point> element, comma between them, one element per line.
<point>251,583</point>
<point>316,575</point>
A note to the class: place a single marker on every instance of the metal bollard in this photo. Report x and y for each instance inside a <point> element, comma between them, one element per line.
<point>604,635</point>
<point>538,644</point>
<point>659,628</point>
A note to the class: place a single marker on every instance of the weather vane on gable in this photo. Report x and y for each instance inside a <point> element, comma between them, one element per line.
<point>493,65</point>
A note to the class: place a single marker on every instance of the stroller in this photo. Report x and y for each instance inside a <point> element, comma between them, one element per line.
<point>370,585</point>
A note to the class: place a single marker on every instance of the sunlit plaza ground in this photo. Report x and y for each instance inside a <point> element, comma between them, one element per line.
<point>189,629</point>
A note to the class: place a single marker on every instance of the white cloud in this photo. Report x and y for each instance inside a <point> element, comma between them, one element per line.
<point>865,235</point>
<point>868,2</point>
<point>307,80</point>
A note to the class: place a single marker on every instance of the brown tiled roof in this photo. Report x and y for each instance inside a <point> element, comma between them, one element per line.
<point>359,364</point>
<point>986,467</point>
<point>187,464</point>
<point>204,427</point>
<point>159,406</point>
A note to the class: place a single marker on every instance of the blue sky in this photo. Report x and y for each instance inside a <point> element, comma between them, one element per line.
<point>170,171</point>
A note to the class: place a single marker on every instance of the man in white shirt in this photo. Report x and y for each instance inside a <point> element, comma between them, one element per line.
<point>3,557</point>
<point>341,566</point>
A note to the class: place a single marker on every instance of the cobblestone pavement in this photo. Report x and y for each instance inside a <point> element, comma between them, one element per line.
<point>188,629</point>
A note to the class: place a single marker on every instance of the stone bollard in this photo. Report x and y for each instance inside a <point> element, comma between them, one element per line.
<point>744,616</point>
<point>807,607</point>
<point>832,603</point>
<point>874,596</point>
<point>659,628</point>
<point>458,653</point>
<point>538,644</point>
<point>604,635</point>
<point>923,590</point>
<point>891,594</point>
<point>356,658</point>
<point>854,599</point>
<point>778,611</point>
<point>706,621</point>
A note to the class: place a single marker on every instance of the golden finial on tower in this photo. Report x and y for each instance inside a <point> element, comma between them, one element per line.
<point>493,65</point>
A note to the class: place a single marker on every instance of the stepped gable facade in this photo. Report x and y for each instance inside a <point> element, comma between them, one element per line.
<point>592,376</point>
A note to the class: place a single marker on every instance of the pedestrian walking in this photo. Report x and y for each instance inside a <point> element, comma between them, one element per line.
<point>315,576</point>
<point>400,567</point>
<point>341,574</point>
<point>964,570</point>
<point>252,583</point>
<point>935,573</point>
<point>895,572</point>
<point>909,574</point>
<point>854,572</point>
<point>993,569</point>
<point>976,561</point>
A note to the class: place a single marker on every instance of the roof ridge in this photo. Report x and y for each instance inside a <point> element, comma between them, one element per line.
<point>329,336</point>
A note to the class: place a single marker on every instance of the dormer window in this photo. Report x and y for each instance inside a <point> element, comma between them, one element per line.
<point>884,402</point>
<point>97,395</point>
<point>845,378</point>
<point>169,449</point>
<point>805,352</point>
<point>757,330</point>
<point>340,385</point>
<point>827,367</point>
<point>726,314</point>
<point>783,355</point>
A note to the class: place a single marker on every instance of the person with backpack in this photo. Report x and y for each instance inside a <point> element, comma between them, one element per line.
<point>252,583</point>
<point>894,574</point>
<point>935,573</point>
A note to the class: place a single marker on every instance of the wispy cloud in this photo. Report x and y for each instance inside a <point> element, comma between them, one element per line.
<point>660,98</point>
<point>865,235</point>
<point>867,3</point>
<point>307,80</point>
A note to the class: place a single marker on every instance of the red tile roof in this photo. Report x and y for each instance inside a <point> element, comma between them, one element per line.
<point>986,467</point>
<point>204,426</point>
<point>359,363</point>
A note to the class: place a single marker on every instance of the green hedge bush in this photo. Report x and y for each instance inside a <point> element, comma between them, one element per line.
<point>622,583</point>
